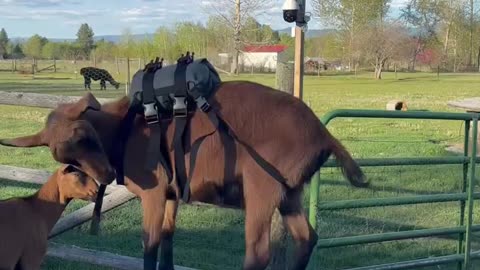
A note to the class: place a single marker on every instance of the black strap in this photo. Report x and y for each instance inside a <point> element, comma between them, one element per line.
<point>180,118</point>
<point>124,132</point>
<point>148,93</point>
<point>97,210</point>
<point>193,157</point>
<point>154,153</point>
<point>269,168</point>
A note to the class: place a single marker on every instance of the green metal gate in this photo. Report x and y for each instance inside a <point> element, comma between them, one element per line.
<point>466,197</point>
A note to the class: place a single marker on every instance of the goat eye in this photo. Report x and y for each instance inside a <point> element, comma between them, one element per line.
<point>87,143</point>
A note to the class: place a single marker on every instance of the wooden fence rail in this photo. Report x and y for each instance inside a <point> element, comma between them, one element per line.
<point>39,100</point>
<point>100,258</point>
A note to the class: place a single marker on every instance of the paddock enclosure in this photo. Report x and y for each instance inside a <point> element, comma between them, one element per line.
<point>421,210</point>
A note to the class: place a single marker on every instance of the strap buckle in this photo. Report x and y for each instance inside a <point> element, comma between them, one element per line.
<point>180,106</point>
<point>151,113</point>
<point>203,104</point>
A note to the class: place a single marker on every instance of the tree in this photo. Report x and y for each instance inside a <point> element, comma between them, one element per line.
<point>104,50</point>
<point>85,39</point>
<point>286,39</point>
<point>234,15</point>
<point>70,51</point>
<point>34,45</point>
<point>382,43</point>
<point>127,45</point>
<point>191,37</point>
<point>424,16</point>
<point>17,52</point>
<point>350,17</point>
<point>3,43</point>
<point>51,50</point>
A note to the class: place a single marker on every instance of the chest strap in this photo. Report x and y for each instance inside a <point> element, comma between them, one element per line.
<point>152,117</point>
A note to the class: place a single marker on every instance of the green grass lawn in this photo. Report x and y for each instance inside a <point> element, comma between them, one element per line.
<point>211,238</point>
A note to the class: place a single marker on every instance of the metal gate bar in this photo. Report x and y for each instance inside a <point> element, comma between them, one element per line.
<point>466,197</point>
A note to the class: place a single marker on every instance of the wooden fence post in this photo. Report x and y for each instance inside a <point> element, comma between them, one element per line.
<point>54,65</point>
<point>284,77</point>
<point>127,85</point>
<point>116,64</point>
<point>33,66</point>
<point>278,237</point>
<point>284,82</point>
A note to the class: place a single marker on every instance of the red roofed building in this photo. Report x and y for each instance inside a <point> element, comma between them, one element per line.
<point>259,57</point>
<point>265,48</point>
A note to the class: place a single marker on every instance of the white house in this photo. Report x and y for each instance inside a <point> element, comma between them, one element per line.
<point>263,57</point>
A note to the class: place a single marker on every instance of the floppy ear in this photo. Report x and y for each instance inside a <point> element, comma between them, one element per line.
<point>88,101</point>
<point>69,168</point>
<point>26,141</point>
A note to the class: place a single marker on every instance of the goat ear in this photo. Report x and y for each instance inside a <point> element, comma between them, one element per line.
<point>88,101</point>
<point>69,168</point>
<point>26,141</point>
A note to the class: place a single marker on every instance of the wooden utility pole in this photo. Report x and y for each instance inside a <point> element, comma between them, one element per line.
<point>237,33</point>
<point>127,86</point>
<point>299,54</point>
<point>470,59</point>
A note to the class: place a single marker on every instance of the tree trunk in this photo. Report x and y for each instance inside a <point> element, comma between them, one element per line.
<point>379,69</point>
<point>447,38</point>
<point>237,32</point>
<point>455,56</point>
<point>470,60</point>
<point>352,32</point>
<point>478,59</point>
<point>284,77</point>
<point>279,243</point>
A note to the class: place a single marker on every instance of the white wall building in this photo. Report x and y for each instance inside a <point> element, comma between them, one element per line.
<point>259,57</point>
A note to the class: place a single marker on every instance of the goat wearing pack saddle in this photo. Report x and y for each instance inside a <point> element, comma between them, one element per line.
<point>243,144</point>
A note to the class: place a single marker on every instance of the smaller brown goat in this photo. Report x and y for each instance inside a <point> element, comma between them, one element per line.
<point>26,222</point>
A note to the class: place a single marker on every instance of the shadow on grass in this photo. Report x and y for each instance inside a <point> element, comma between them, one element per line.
<point>52,78</point>
<point>212,238</point>
<point>18,184</point>
<point>386,188</point>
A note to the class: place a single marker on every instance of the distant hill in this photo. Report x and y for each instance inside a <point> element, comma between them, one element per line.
<point>311,33</point>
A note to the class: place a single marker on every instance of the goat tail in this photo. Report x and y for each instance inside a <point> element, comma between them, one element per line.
<point>349,167</point>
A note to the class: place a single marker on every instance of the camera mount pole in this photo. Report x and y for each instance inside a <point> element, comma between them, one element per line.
<point>299,50</point>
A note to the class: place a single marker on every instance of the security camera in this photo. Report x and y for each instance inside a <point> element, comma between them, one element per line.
<point>290,10</point>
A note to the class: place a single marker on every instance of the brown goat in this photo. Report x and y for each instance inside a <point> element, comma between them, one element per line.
<point>26,222</point>
<point>279,127</point>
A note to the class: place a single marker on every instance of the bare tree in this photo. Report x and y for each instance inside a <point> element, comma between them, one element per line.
<point>382,43</point>
<point>234,14</point>
<point>351,16</point>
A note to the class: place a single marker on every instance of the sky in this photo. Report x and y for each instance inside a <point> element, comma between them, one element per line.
<point>62,18</point>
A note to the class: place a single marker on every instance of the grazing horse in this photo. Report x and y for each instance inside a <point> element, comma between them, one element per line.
<point>268,124</point>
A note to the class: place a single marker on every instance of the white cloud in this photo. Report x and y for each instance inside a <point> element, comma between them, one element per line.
<point>398,3</point>
<point>145,14</point>
<point>49,14</point>
<point>37,3</point>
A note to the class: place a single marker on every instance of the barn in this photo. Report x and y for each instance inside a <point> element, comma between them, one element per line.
<point>257,57</point>
<point>262,57</point>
